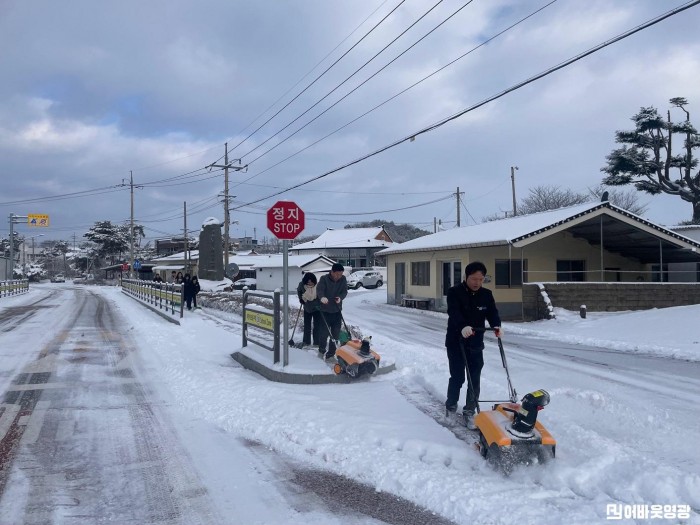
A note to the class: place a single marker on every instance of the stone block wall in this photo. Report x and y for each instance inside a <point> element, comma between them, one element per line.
<point>607,297</point>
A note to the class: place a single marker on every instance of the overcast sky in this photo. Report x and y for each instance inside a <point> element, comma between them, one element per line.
<point>93,90</point>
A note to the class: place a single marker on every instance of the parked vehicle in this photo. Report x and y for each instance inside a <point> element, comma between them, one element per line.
<point>58,278</point>
<point>366,278</point>
<point>246,281</point>
<point>355,280</point>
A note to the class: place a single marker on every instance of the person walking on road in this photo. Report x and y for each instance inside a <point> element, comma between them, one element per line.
<point>306,291</point>
<point>197,289</point>
<point>188,290</point>
<point>332,288</point>
<point>469,305</point>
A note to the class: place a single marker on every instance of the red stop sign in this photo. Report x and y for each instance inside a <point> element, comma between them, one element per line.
<point>285,220</point>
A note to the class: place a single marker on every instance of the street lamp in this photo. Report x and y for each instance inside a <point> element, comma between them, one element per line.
<point>32,238</point>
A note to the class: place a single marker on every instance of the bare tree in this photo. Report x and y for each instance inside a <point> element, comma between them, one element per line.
<point>550,197</point>
<point>625,199</point>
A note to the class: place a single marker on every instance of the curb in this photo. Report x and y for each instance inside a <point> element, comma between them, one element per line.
<point>302,379</point>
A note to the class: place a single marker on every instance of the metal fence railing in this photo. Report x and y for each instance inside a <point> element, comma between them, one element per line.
<point>164,296</point>
<point>263,319</point>
<point>13,287</point>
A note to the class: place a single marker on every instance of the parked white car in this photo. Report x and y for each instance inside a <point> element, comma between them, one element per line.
<point>366,278</point>
<point>58,278</point>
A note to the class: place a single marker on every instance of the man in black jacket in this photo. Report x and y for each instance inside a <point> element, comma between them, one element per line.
<point>469,305</point>
<point>331,289</point>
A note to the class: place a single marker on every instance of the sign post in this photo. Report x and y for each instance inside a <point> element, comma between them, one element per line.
<point>286,221</point>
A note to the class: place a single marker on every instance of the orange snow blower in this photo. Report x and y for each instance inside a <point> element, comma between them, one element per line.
<point>510,433</point>
<point>356,358</point>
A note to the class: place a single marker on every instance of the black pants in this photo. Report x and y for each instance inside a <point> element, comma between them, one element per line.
<point>188,301</point>
<point>312,321</point>
<point>475,362</point>
<point>333,320</point>
<point>194,299</point>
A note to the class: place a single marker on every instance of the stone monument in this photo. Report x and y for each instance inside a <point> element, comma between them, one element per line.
<point>211,251</point>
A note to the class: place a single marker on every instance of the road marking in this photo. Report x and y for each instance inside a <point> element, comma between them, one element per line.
<point>36,421</point>
<point>8,416</point>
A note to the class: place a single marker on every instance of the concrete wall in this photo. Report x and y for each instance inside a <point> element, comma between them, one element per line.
<point>608,297</point>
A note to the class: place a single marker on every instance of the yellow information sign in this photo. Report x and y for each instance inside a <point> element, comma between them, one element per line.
<point>37,219</point>
<point>259,319</point>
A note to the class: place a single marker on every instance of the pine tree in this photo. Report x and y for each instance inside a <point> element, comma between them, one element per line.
<point>647,161</point>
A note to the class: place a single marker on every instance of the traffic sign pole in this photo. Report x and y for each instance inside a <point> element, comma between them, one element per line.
<point>286,221</point>
<point>285,285</point>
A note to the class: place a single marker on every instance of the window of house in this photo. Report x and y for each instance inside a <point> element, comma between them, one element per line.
<point>420,273</point>
<point>571,270</point>
<point>509,272</point>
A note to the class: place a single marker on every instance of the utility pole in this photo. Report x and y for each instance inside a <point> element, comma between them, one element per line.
<point>458,207</point>
<point>187,246</point>
<point>512,182</point>
<point>227,165</point>
<point>131,229</point>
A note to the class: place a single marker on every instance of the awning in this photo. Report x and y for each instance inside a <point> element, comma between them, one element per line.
<point>176,268</point>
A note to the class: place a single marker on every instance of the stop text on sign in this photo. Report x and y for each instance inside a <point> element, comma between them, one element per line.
<point>285,220</point>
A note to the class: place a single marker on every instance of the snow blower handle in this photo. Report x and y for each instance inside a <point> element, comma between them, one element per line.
<point>511,391</point>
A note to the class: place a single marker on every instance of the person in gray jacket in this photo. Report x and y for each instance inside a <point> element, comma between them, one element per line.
<point>331,289</point>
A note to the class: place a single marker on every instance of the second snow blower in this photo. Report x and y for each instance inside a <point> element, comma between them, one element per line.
<point>510,433</point>
<point>356,358</point>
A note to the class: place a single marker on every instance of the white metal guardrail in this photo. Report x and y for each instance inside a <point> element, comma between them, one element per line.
<point>13,287</point>
<point>164,296</point>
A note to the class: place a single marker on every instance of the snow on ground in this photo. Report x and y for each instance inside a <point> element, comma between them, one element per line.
<point>666,332</point>
<point>626,433</point>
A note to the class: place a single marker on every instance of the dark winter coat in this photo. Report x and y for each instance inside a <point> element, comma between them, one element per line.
<point>197,288</point>
<point>331,289</point>
<point>467,308</point>
<point>309,306</point>
<point>189,289</point>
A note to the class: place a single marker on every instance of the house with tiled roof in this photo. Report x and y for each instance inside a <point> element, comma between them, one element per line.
<point>353,247</point>
<point>583,244</point>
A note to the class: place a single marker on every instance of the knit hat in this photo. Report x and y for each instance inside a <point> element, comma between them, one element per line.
<point>337,267</point>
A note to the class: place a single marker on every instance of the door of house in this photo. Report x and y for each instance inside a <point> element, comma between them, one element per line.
<point>399,281</point>
<point>451,275</point>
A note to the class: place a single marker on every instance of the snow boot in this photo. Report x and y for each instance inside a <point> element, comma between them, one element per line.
<point>469,419</point>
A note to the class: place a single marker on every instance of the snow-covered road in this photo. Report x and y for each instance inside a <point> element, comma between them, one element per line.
<point>625,417</point>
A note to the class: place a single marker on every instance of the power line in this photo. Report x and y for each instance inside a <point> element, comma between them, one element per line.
<point>352,75</point>
<point>385,101</point>
<point>321,75</point>
<point>511,89</point>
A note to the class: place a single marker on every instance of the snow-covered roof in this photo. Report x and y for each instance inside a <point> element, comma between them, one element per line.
<point>346,238</point>
<point>177,257</point>
<point>276,260</point>
<point>516,229</point>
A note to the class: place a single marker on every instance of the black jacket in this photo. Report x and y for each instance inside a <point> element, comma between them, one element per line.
<point>467,308</point>
<point>189,289</point>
